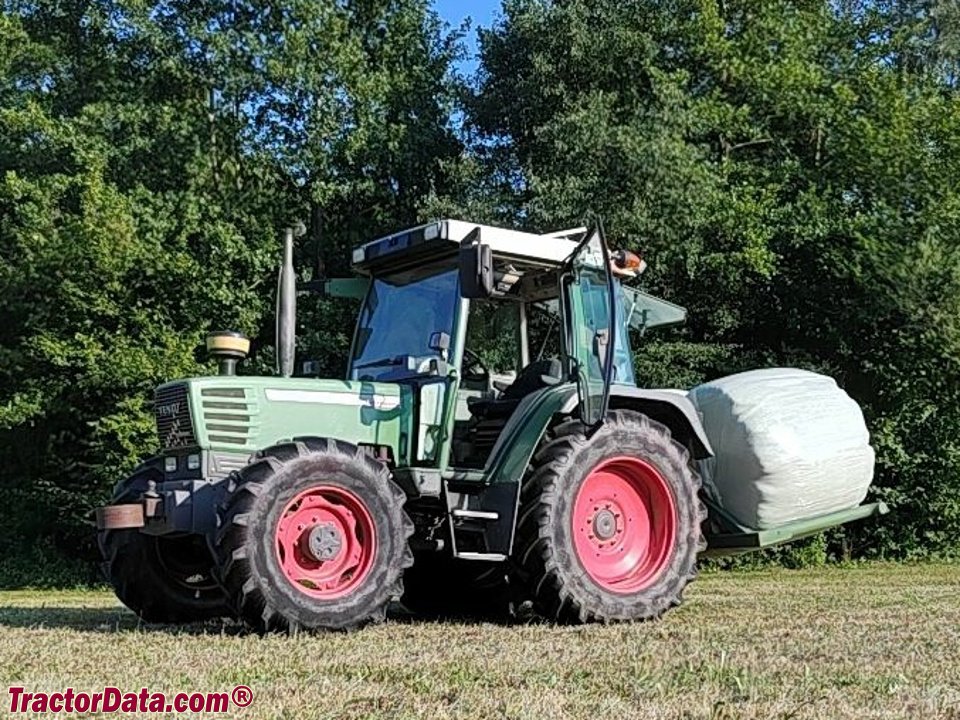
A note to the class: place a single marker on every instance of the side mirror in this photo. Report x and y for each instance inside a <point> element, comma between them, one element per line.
<point>476,267</point>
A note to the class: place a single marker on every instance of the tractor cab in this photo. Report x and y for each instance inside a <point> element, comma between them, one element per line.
<point>478,320</point>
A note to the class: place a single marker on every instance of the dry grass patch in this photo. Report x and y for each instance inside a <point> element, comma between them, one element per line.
<point>880,641</point>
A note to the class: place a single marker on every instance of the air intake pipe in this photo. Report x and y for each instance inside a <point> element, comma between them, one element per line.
<point>228,347</point>
<point>287,305</point>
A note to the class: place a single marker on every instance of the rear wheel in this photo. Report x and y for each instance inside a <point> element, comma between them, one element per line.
<point>312,535</point>
<point>610,523</point>
<point>164,579</point>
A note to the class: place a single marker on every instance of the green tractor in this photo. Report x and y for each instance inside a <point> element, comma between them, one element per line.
<point>489,445</point>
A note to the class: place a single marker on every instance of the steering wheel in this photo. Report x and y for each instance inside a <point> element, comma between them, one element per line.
<point>473,367</point>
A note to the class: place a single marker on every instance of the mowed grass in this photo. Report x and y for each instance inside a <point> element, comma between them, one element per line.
<point>880,641</point>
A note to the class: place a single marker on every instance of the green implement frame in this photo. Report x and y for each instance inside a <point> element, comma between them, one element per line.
<point>741,539</point>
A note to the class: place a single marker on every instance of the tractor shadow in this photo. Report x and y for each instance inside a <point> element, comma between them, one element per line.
<point>451,616</point>
<point>117,620</point>
<point>110,620</point>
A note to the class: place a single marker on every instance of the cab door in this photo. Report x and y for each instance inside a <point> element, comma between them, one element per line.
<point>590,323</point>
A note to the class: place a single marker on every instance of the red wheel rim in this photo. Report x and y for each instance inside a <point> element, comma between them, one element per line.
<point>326,542</point>
<point>624,524</point>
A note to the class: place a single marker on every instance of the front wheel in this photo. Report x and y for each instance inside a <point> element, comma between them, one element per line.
<point>610,524</point>
<point>164,579</point>
<point>312,535</point>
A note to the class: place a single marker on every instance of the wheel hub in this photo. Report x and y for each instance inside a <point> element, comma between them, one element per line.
<point>624,524</point>
<point>604,524</point>
<point>322,542</point>
<point>326,541</point>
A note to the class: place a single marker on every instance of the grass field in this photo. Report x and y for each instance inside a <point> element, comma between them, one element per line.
<point>879,641</point>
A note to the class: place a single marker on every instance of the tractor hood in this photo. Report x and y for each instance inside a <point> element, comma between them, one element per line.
<point>240,415</point>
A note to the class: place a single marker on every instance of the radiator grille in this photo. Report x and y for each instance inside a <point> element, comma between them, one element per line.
<point>172,411</point>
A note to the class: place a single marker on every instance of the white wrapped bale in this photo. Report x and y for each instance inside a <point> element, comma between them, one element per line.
<point>789,444</point>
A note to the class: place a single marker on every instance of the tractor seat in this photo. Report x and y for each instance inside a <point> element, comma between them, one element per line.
<point>535,376</point>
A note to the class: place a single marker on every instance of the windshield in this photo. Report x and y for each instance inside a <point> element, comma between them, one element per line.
<point>399,315</point>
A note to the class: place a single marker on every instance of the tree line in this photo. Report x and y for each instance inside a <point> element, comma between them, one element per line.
<point>789,169</point>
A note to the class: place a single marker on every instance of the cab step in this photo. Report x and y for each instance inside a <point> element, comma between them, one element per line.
<point>475,514</point>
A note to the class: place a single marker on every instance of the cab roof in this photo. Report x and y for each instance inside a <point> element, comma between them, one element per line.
<point>437,239</point>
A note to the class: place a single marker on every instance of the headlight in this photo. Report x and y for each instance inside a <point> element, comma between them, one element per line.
<point>170,464</point>
<point>193,462</point>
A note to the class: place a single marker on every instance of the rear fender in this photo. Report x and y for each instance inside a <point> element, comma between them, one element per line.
<point>669,407</point>
<point>524,432</point>
<point>520,437</point>
<point>519,440</point>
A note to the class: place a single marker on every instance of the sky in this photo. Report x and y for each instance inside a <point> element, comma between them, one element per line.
<point>482,13</point>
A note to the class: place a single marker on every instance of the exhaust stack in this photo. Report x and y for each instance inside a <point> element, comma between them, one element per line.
<point>287,306</point>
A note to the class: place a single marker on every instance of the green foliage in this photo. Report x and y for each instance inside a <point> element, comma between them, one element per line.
<point>810,552</point>
<point>42,565</point>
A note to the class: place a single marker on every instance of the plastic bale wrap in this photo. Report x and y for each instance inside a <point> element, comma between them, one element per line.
<point>789,445</point>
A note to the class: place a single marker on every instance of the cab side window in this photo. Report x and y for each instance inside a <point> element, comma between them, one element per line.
<point>493,334</point>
